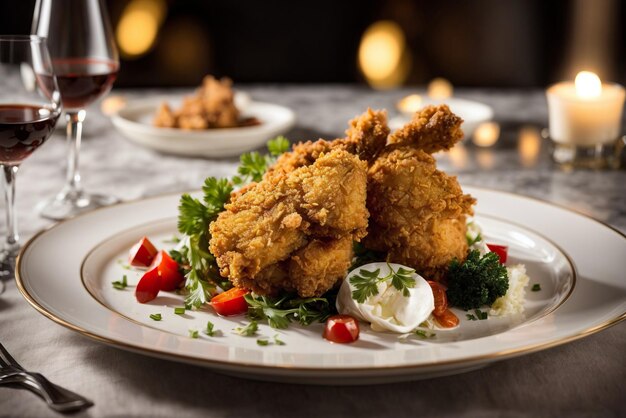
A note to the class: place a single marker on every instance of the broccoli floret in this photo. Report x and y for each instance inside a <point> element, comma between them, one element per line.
<point>477,282</point>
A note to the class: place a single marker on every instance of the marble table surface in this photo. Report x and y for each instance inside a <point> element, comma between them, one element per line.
<point>583,378</point>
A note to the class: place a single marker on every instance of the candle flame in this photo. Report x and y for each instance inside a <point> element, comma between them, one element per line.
<point>588,84</point>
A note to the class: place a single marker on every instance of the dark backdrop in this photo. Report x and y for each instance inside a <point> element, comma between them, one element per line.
<point>494,43</point>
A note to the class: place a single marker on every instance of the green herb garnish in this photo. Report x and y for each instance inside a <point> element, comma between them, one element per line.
<point>193,333</point>
<point>249,330</point>
<point>279,312</point>
<point>471,241</point>
<point>266,341</point>
<point>366,282</point>
<point>477,282</point>
<point>536,287</point>
<point>252,166</point>
<point>423,334</point>
<point>173,240</point>
<point>209,329</point>
<point>471,317</point>
<point>480,314</point>
<point>179,311</point>
<point>195,215</point>
<point>120,284</point>
<point>156,316</point>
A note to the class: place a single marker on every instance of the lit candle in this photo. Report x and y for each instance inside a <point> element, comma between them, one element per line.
<point>586,112</point>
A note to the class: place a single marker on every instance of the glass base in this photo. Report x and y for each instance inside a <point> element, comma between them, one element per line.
<point>600,156</point>
<point>69,204</point>
<point>7,264</point>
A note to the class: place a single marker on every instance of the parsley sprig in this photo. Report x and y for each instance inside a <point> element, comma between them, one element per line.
<point>366,282</point>
<point>480,315</point>
<point>195,215</point>
<point>265,341</point>
<point>279,312</point>
<point>249,330</point>
<point>120,284</point>
<point>253,165</point>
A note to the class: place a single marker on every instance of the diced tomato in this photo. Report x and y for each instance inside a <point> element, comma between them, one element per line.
<point>441,300</point>
<point>501,250</point>
<point>148,286</point>
<point>341,329</point>
<point>142,253</point>
<point>447,319</point>
<point>231,302</point>
<point>171,278</point>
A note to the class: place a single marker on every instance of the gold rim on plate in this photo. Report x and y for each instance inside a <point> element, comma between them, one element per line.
<point>225,365</point>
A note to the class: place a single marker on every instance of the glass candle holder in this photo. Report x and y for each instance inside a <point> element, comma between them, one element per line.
<point>585,121</point>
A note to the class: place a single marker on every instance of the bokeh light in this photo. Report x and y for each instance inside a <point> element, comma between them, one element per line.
<point>458,156</point>
<point>383,56</point>
<point>440,88</point>
<point>410,104</point>
<point>529,145</point>
<point>486,134</point>
<point>139,25</point>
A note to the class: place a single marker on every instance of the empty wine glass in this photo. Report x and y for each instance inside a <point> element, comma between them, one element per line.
<point>85,61</point>
<point>30,104</point>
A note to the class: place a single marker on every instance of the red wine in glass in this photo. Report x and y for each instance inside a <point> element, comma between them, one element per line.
<point>81,81</point>
<point>23,129</point>
<point>29,110</point>
<point>85,61</point>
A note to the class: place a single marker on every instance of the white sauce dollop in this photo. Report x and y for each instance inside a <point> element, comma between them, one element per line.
<point>389,309</point>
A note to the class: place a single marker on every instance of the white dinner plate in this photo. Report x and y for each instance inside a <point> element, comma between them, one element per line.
<point>134,121</point>
<point>66,273</point>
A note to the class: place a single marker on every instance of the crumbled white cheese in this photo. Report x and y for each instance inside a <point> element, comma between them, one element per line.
<point>513,301</point>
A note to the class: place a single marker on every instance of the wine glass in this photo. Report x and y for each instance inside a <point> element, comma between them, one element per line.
<point>85,61</point>
<point>30,104</point>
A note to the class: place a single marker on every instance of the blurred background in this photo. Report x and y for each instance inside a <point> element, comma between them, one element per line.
<point>471,43</point>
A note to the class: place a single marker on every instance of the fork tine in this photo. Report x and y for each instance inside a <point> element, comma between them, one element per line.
<point>4,353</point>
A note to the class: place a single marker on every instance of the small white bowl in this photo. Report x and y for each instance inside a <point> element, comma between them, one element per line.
<point>134,121</point>
<point>473,113</point>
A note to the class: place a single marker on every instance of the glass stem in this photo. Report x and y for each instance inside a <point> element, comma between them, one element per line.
<point>74,134</point>
<point>11,244</point>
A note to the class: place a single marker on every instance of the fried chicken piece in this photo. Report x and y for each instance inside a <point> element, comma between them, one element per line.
<point>314,269</point>
<point>164,117</point>
<point>278,225</point>
<point>418,212</point>
<point>365,137</point>
<point>432,129</point>
<point>218,101</point>
<point>213,106</point>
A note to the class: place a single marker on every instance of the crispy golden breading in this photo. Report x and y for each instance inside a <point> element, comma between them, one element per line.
<point>365,137</point>
<point>261,231</point>
<point>418,212</point>
<point>294,230</point>
<point>314,269</point>
<point>434,128</point>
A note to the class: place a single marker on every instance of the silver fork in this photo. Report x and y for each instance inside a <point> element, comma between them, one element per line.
<point>57,398</point>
